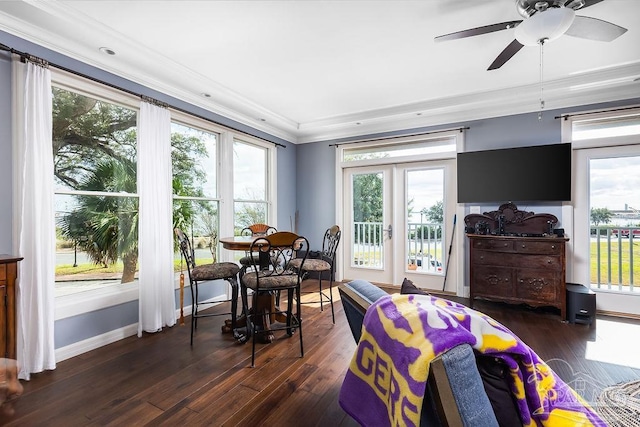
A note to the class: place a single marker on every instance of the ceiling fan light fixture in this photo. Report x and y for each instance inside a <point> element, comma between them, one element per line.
<point>545,25</point>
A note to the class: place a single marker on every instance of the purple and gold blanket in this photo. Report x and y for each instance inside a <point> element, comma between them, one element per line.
<point>401,334</point>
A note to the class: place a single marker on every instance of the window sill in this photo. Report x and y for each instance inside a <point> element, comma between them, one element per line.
<point>84,302</point>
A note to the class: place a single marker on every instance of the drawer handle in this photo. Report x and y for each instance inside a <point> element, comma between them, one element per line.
<point>548,261</point>
<point>505,245</point>
<point>481,256</point>
<point>524,246</point>
<point>553,246</point>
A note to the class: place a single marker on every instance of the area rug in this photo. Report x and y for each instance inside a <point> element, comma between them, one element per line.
<point>619,405</point>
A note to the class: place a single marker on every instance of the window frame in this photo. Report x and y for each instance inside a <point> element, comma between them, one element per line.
<point>83,302</point>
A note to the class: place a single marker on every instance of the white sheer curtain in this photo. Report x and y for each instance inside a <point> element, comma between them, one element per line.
<point>34,225</point>
<point>155,232</point>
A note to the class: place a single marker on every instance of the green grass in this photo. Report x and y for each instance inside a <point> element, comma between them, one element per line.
<point>617,251</point>
<point>98,270</point>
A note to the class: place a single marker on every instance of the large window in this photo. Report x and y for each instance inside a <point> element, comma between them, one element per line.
<point>94,149</point>
<point>222,181</point>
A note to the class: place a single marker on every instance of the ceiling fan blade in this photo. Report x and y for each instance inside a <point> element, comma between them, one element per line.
<point>586,27</point>
<point>506,55</point>
<point>588,3</point>
<point>478,31</point>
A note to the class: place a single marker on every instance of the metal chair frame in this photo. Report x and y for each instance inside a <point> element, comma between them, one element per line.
<point>329,247</point>
<point>188,253</point>
<point>273,273</point>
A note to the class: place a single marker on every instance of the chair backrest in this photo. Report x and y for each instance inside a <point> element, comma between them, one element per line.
<point>186,248</point>
<point>330,244</point>
<point>272,253</point>
<point>258,229</point>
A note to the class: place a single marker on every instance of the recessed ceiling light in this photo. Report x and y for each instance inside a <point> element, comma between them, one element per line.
<point>358,123</point>
<point>262,119</point>
<point>205,95</point>
<point>107,51</point>
<point>418,114</point>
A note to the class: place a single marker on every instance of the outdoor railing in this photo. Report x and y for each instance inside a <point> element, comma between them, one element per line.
<point>615,258</point>
<point>424,246</point>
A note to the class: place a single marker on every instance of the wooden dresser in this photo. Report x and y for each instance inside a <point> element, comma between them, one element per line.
<point>523,270</point>
<point>8,273</point>
<point>516,257</point>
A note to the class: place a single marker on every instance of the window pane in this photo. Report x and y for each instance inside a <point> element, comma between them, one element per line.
<point>430,146</point>
<point>247,213</point>
<point>249,172</point>
<point>200,222</point>
<point>608,127</point>
<point>94,148</point>
<point>89,135</point>
<point>425,195</point>
<point>96,242</point>
<point>194,160</point>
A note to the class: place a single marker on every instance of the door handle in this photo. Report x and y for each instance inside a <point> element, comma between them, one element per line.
<point>389,230</point>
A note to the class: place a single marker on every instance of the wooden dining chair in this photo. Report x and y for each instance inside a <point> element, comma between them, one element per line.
<point>227,271</point>
<point>277,276</point>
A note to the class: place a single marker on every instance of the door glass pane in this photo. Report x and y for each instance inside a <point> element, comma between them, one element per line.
<point>367,217</point>
<point>614,203</point>
<point>425,216</point>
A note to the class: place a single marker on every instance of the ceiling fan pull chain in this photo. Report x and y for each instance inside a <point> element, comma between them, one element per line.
<point>541,43</point>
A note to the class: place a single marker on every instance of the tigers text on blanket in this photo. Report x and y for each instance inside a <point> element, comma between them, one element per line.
<point>401,334</point>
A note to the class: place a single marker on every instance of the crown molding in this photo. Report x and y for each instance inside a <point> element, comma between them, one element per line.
<point>596,86</point>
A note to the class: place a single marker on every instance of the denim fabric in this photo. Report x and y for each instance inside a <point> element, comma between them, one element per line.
<point>369,292</point>
<point>466,384</point>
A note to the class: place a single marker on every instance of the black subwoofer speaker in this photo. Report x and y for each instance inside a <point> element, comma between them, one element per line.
<point>581,304</point>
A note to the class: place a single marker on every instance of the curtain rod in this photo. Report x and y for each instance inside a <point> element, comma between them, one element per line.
<point>130,92</point>
<point>400,136</point>
<point>566,116</point>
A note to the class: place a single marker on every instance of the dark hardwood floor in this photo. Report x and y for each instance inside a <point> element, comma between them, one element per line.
<point>160,380</point>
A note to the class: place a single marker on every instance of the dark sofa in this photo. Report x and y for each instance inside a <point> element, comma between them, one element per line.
<point>463,388</point>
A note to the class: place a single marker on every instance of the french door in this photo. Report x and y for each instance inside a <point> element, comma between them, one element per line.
<point>398,222</point>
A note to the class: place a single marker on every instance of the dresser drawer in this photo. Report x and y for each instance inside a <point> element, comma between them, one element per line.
<point>537,285</point>
<point>550,248</point>
<point>489,281</point>
<point>493,245</point>
<point>3,272</point>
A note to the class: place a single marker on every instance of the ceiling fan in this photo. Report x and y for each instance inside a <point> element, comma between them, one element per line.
<point>545,21</point>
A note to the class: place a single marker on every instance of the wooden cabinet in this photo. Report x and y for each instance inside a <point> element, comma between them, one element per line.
<point>8,273</point>
<point>522,270</point>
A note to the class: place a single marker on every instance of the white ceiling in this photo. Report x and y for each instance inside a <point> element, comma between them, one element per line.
<point>316,70</point>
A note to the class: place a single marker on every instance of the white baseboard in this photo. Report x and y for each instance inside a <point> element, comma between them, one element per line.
<point>80,347</point>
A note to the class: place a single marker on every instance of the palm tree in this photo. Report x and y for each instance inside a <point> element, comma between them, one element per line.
<point>110,222</point>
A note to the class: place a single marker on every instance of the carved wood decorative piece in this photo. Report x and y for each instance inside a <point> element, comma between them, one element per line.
<point>514,221</point>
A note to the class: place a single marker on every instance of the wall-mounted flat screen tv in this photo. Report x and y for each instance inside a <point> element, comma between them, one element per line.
<point>538,173</point>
